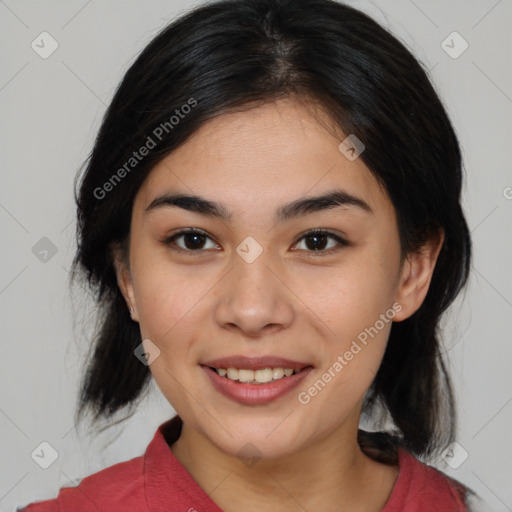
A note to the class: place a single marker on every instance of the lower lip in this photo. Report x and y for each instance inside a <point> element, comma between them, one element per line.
<point>255,393</point>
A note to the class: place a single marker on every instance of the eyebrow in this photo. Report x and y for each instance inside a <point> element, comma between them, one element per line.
<point>332,199</point>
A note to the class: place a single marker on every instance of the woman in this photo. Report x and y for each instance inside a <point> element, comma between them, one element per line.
<point>271,220</point>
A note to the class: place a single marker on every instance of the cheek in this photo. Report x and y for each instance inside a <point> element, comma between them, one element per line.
<point>171,301</point>
<point>352,295</point>
<point>356,304</point>
<point>162,293</point>
<point>350,360</point>
<point>168,303</point>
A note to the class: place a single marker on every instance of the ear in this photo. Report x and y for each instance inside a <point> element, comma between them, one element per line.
<point>124,279</point>
<point>416,275</point>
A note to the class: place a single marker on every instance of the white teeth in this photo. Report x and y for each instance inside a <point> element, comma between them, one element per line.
<point>245,375</point>
<point>255,376</point>
<point>277,373</point>
<point>232,374</point>
<point>264,375</point>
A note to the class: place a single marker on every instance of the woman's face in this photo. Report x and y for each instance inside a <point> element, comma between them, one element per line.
<point>252,289</point>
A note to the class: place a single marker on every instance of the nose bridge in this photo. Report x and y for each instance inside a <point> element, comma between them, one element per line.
<point>252,281</point>
<point>252,297</point>
<point>251,269</point>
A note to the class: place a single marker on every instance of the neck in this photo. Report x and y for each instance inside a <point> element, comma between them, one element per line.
<point>332,473</point>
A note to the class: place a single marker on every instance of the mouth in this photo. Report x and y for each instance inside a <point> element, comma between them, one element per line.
<point>255,380</point>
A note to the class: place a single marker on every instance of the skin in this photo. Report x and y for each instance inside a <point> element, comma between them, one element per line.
<point>291,302</point>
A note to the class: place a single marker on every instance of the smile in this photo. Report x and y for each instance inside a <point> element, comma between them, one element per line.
<point>255,376</point>
<point>255,380</point>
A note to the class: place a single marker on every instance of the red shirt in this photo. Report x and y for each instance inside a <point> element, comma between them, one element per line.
<point>158,482</point>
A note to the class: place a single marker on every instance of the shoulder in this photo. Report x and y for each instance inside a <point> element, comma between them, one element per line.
<point>121,483</point>
<point>419,487</point>
<point>138,484</point>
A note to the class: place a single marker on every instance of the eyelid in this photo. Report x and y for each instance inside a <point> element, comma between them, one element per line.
<point>168,240</point>
<point>321,231</point>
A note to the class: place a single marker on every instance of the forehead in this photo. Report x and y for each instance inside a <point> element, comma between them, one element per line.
<point>271,154</point>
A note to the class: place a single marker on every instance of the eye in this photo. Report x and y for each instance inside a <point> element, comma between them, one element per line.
<point>193,241</point>
<point>316,241</point>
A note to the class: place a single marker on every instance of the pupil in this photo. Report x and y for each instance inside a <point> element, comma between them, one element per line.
<point>314,246</point>
<point>196,237</point>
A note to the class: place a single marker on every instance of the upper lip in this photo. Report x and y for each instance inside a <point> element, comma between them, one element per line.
<point>255,363</point>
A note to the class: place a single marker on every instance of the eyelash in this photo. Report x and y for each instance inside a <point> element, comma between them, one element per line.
<point>314,232</point>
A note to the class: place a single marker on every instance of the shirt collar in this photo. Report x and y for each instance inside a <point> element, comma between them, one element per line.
<point>168,485</point>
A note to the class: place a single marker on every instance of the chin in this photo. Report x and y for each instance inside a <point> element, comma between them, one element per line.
<point>266,437</point>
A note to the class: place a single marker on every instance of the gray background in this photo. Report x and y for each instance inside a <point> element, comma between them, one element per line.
<point>51,111</point>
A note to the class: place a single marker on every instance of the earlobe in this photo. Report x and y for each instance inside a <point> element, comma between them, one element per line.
<point>124,280</point>
<point>416,276</point>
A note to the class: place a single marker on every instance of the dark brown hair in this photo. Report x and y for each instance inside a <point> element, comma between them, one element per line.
<point>229,54</point>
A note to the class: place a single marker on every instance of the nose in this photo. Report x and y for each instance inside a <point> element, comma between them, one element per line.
<point>254,299</point>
